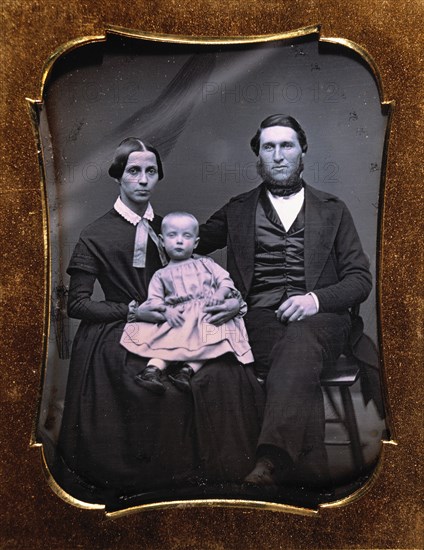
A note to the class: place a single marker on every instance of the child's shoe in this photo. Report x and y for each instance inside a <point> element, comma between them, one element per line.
<point>150,379</point>
<point>182,379</point>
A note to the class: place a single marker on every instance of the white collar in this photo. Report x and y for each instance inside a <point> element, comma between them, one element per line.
<point>288,207</point>
<point>296,197</point>
<point>131,216</point>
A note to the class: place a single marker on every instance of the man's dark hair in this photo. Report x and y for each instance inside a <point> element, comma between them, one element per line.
<point>279,120</point>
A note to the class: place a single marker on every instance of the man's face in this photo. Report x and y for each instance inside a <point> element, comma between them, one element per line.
<point>280,154</point>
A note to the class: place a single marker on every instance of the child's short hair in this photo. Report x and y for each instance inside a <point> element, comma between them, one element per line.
<point>180,214</point>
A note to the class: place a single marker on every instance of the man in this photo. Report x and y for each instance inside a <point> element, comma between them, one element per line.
<point>295,256</point>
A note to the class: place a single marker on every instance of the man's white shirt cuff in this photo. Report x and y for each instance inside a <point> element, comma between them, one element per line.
<point>315,297</point>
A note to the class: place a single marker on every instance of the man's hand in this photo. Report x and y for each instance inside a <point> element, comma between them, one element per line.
<point>296,308</point>
<point>221,313</point>
<point>174,316</point>
<point>150,313</point>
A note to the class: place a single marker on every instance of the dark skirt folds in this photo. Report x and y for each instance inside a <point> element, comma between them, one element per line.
<point>118,437</point>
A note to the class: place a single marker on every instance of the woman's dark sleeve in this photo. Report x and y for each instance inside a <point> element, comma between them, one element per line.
<point>81,306</point>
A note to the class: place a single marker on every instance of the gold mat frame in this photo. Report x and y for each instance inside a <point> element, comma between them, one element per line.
<point>388,515</point>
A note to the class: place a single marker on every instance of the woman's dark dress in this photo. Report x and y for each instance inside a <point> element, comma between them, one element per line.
<point>116,435</point>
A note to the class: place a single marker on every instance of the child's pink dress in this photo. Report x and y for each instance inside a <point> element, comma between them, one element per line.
<point>187,286</point>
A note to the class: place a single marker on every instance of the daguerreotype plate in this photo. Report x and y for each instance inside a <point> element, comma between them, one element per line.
<point>111,446</point>
<point>199,104</point>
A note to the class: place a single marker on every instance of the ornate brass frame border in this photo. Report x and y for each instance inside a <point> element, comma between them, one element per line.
<point>205,40</point>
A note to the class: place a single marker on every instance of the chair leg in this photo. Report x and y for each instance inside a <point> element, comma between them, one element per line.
<point>333,403</point>
<point>352,427</point>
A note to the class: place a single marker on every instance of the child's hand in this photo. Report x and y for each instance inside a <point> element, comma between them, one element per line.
<point>174,317</point>
<point>218,297</point>
<point>214,300</point>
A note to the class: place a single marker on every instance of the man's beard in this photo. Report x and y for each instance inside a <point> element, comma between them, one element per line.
<point>281,188</point>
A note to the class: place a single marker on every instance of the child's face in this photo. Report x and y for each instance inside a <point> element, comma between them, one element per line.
<point>179,237</point>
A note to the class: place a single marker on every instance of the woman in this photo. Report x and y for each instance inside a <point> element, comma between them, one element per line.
<point>115,436</point>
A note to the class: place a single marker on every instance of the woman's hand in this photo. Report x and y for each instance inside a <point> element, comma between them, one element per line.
<point>150,313</point>
<point>221,313</point>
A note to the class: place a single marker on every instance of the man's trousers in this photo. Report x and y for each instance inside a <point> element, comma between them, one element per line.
<point>291,356</point>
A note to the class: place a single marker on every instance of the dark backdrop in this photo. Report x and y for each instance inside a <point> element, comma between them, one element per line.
<point>199,105</point>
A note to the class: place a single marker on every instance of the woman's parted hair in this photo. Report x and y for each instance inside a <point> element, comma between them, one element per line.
<point>125,148</point>
<point>279,120</point>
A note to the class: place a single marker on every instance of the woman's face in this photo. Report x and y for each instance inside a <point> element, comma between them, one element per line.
<point>138,180</point>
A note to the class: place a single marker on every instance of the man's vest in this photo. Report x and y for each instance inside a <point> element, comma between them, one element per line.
<point>279,270</point>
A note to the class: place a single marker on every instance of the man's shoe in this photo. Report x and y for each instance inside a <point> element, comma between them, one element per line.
<point>149,379</point>
<point>181,380</point>
<point>262,474</point>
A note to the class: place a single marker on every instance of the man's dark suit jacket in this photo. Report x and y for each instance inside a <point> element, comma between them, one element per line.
<point>336,268</point>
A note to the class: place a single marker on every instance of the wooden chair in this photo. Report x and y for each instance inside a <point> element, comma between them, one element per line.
<point>342,375</point>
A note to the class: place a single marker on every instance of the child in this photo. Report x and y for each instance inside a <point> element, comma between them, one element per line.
<point>185,287</point>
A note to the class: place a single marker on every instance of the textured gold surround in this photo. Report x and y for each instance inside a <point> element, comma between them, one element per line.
<point>388,515</point>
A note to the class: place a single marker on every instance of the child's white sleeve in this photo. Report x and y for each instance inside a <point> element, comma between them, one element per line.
<point>223,279</point>
<point>156,292</point>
